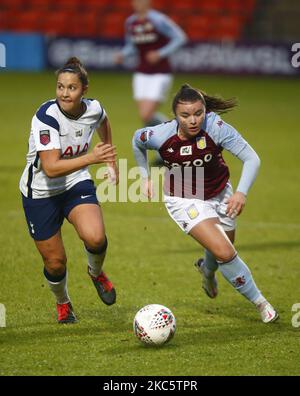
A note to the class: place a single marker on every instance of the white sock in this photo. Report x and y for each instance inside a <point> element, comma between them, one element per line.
<point>260,300</point>
<point>58,287</point>
<point>95,260</point>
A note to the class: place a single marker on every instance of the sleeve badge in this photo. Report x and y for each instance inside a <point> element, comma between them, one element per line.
<point>45,137</point>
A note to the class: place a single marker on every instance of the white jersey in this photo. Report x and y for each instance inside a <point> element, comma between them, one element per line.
<point>52,129</point>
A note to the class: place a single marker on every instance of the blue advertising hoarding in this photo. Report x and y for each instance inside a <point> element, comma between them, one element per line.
<point>22,51</point>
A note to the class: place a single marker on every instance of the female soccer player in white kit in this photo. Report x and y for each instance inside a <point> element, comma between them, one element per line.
<point>153,37</point>
<point>56,183</point>
<point>195,139</point>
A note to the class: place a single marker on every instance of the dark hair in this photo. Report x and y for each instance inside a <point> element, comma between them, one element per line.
<point>73,65</point>
<point>212,103</point>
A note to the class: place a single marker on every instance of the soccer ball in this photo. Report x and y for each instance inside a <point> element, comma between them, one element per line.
<point>154,324</point>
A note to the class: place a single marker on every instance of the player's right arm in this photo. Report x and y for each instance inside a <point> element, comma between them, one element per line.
<point>129,48</point>
<point>48,147</point>
<point>55,166</point>
<point>151,138</point>
<point>140,146</point>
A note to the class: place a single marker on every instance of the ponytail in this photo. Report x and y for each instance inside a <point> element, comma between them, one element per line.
<point>212,103</point>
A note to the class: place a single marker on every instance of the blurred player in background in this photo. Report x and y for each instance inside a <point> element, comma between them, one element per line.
<point>56,183</point>
<point>153,37</point>
<point>196,138</point>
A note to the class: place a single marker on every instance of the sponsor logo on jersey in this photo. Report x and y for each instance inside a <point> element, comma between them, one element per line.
<point>170,150</point>
<point>220,123</point>
<point>144,38</point>
<point>186,150</point>
<point>201,143</point>
<point>78,133</point>
<point>45,137</point>
<point>148,27</point>
<point>192,212</point>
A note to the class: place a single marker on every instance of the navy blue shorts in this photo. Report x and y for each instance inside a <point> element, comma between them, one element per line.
<point>45,216</point>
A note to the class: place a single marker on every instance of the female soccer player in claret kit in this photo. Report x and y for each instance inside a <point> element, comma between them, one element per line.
<point>196,138</point>
<point>151,36</point>
<point>56,183</point>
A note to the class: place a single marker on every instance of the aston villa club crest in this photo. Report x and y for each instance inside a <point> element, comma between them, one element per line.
<point>45,137</point>
<point>201,143</point>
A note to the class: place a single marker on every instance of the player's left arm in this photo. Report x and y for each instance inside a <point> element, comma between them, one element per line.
<point>105,134</point>
<point>177,38</point>
<point>233,142</point>
<point>251,164</point>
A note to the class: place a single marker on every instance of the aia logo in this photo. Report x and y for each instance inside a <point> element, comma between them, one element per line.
<point>70,152</point>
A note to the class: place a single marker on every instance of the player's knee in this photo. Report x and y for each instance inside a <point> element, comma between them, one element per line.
<point>225,254</point>
<point>56,266</point>
<point>96,242</point>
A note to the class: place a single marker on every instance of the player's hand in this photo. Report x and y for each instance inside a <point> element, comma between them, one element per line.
<point>118,58</point>
<point>103,153</point>
<point>147,188</point>
<point>112,173</point>
<point>153,57</point>
<point>235,204</point>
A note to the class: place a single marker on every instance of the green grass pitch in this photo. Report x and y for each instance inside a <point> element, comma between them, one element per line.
<point>149,259</point>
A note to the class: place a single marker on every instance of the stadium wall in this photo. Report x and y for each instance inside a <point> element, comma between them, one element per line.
<point>196,57</point>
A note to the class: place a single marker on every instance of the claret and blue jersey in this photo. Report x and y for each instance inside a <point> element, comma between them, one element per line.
<point>204,150</point>
<point>155,32</point>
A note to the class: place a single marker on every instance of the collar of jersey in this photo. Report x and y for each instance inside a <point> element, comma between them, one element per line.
<point>69,115</point>
<point>200,133</point>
